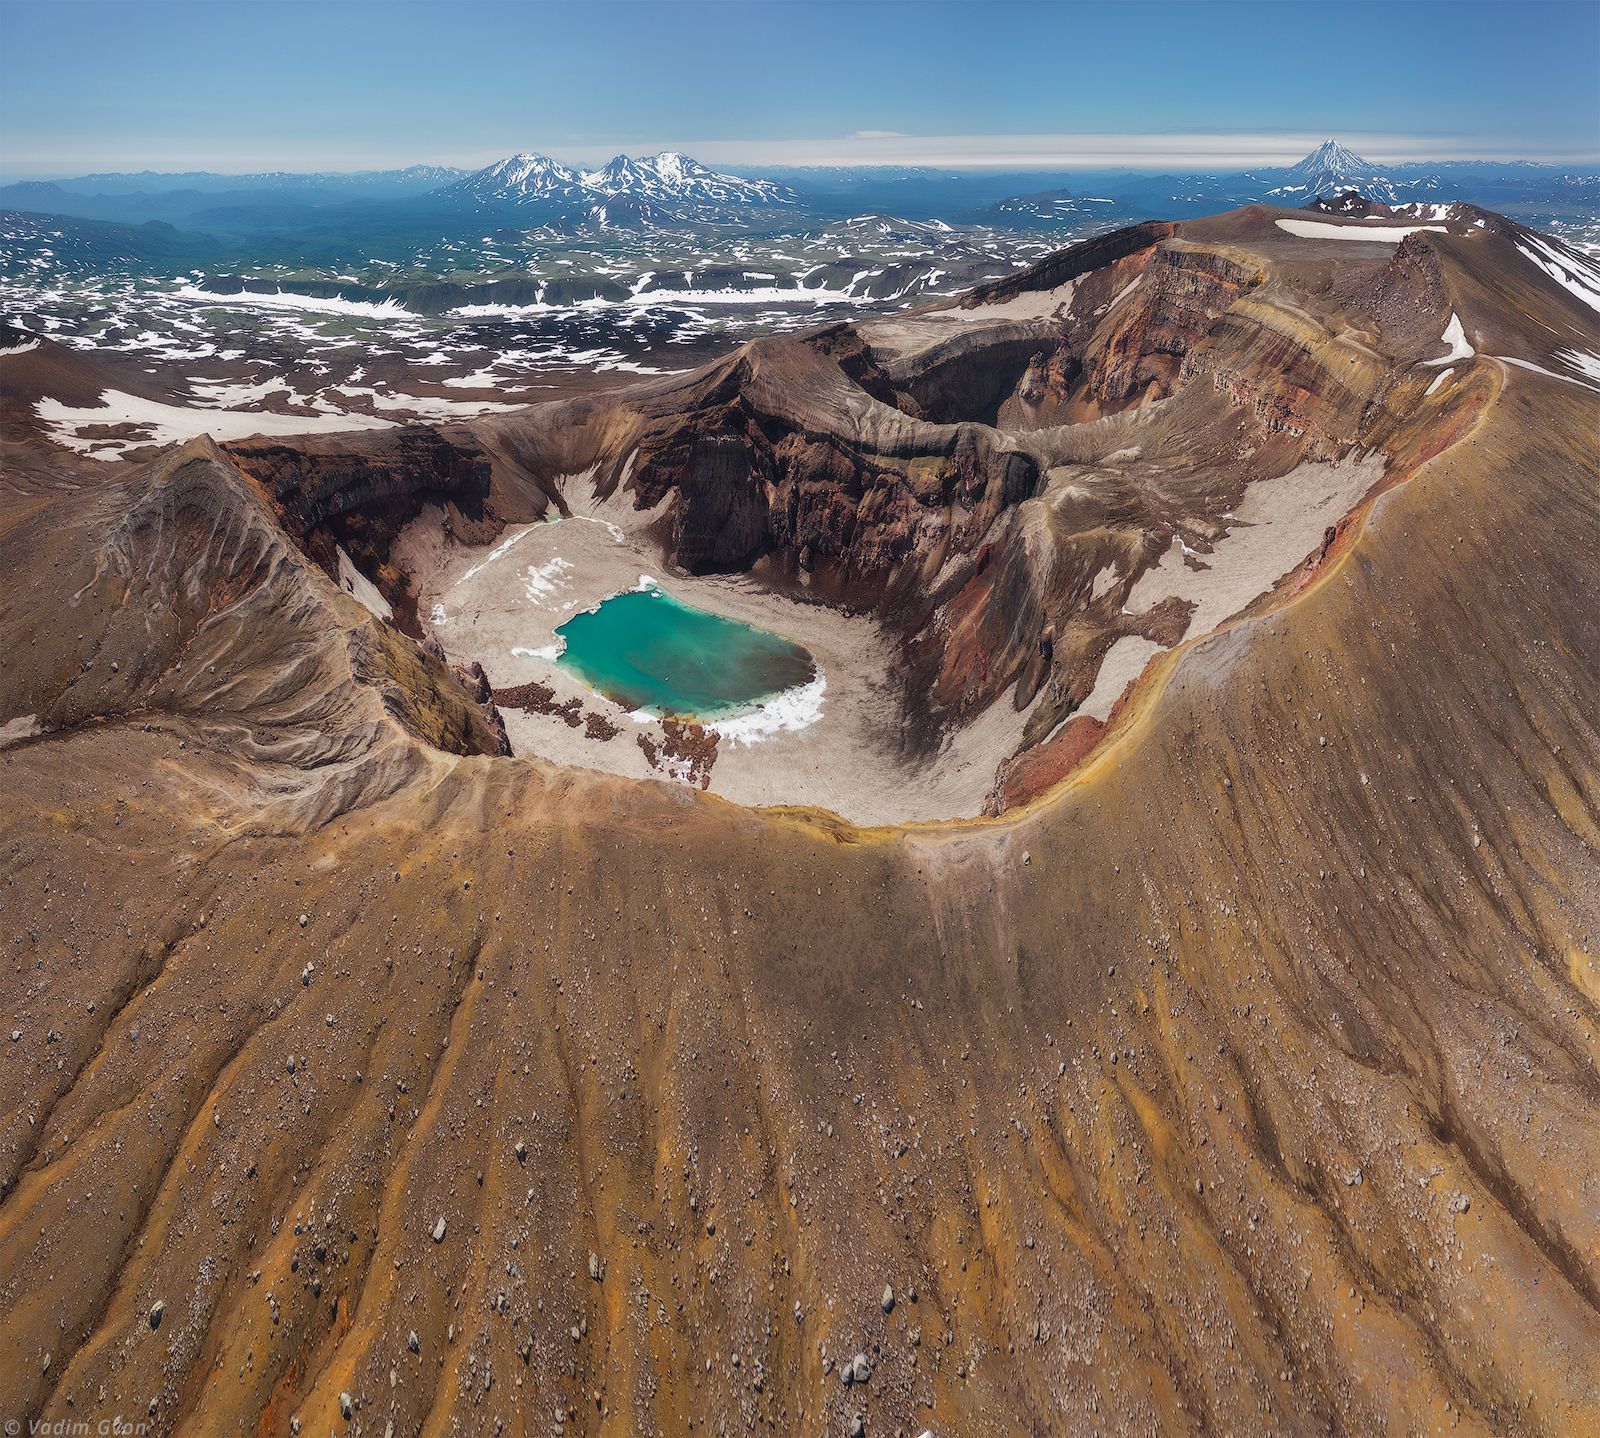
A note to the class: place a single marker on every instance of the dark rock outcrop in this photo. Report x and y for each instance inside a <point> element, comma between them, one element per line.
<point>359,491</point>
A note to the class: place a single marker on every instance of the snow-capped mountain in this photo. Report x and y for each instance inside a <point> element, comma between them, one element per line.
<point>518,179</point>
<point>650,189</point>
<point>1331,169</point>
<point>670,177</point>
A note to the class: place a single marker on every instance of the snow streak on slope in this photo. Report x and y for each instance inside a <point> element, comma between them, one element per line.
<point>1574,272</point>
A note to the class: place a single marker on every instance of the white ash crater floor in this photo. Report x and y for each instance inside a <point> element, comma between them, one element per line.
<point>501,605</point>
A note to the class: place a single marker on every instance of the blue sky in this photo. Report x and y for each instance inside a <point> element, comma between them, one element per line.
<point>233,86</point>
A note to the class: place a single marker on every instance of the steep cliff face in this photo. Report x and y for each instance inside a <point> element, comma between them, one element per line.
<point>864,467</point>
<point>368,474</point>
<point>1181,294</point>
<point>720,518</point>
<point>1104,252</point>
<point>794,451</point>
<point>359,491</point>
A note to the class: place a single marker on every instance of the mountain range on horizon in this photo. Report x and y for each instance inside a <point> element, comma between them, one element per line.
<point>656,187</point>
<point>670,185</point>
<point>1330,156</point>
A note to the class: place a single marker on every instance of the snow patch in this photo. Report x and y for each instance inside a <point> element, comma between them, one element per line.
<point>1549,373</point>
<point>356,584</point>
<point>545,580</point>
<point>1104,582</point>
<point>1381,234</point>
<point>1574,274</point>
<point>786,713</point>
<point>288,300</point>
<point>1584,363</point>
<point>427,406</point>
<point>1456,338</point>
<point>503,547</point>
<point>164,424</point>
<point>1123,663</point>
<point>14,731</point>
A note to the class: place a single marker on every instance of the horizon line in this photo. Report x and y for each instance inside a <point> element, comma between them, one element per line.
<point>881,149</point>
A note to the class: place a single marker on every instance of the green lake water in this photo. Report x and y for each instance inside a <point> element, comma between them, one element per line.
<point>646,650</point>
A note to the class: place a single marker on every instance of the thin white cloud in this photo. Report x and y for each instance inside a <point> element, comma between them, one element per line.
<point>1242,150</point>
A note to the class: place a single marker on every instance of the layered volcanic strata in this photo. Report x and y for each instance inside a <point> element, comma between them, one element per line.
<point>1236,1073</point>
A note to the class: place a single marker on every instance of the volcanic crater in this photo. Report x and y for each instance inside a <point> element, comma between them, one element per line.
<point>1229,1066</point>
<point>984,519</point>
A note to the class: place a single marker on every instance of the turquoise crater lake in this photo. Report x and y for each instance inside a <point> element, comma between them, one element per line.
<point>646,650</point>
